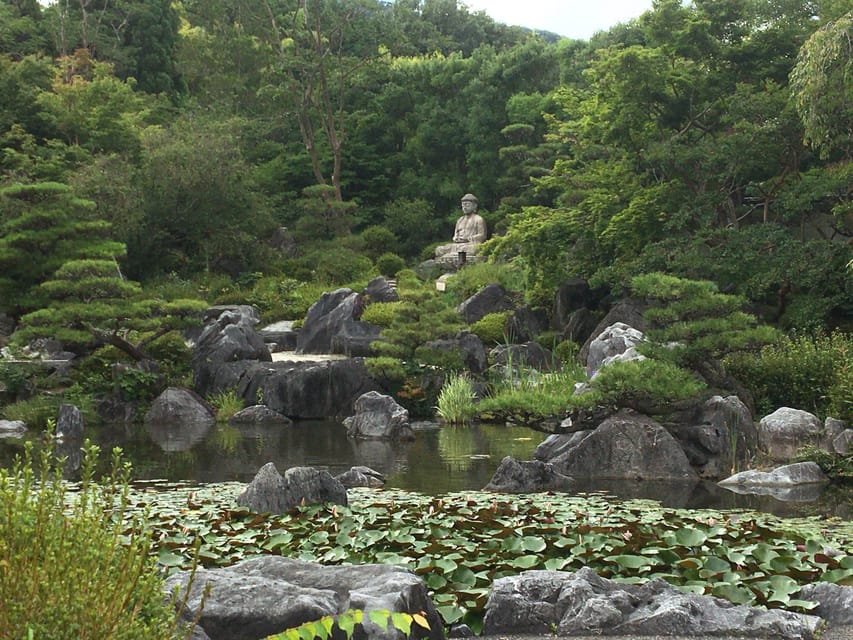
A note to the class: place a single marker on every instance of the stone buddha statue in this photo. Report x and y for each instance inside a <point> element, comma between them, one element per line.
<point>469,233</point>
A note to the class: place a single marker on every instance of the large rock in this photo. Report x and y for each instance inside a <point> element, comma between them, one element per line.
<point>718,437</point>
<point>180,406</point>
<point>492,298</point>
<point>802,481</point>
<point>361,476</point>
<point>378,416</point>
<point>628,311</point>
<point>69,422</point>
<point>259,414</point>
<point>529,355</point>
<point>270,492</point>
<point>306,390</point>
<point>12,428</point>
<point>468,346</point>
<point>333,325</point>
<point>230,338</point>
<point>513,476</point>
<point>834,602</point>
<point>785,431</point>
<point>261,596</point>
<point>626,445</point>
<point>572,296</point>
<point>616,343</point>
<point>557,444</point>
<point>584,604</point>
<point>280,336</point>
<point>380,290</point>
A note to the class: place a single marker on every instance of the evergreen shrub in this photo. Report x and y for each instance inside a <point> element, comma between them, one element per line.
<point>389,264</point>
<point>473,277</point>
<point>811,373</point>
<point>69,565</point>
<point>648,382</point>
<point>493,328</point>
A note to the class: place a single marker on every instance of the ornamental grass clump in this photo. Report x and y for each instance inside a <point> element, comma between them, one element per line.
<point>456,401</point>
<point>75,565</point>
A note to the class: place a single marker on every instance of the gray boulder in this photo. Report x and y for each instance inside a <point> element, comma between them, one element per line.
<point>628,312</point>
<point>616,343</point>
<point>842,444</point>
<point>361,476</point>
<point>306,390</point>
<point>470,348</point>
<point>378,416</point>
<point>492,298</point>
<point>514,476</point>
<point>626,445</point>
<point>270,492</point>
<point>12,428</point>
<point>718,436</point>
<point>380,290</point>
<point>259,413</point>
<point>557,444</point>
<point>280,334</point>
<point>333,325</point>
<point>230,338</point>
<point>180,406</point>
<point>261,596</point>
<point>802,481</point>
<point>784,432</point>
<point>528,355</point>
<point>69,422</point>
<point>834,602</point>
<point>584,604</point>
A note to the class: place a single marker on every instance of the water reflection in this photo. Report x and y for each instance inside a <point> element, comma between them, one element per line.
<point>439,460</point>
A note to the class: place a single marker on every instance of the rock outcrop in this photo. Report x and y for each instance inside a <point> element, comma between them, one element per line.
<point>270,492</point>
<point>180,406</point>
<point>514,476</point>
<point>262,596</point>
<point>378,416</point>
<point>785,431</point>
<point>585,604</point>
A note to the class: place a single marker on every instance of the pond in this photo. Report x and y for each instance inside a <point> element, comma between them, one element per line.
<point>441,459</point>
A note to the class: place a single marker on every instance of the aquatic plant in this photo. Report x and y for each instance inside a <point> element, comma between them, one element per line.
<point>460,543</point>
<point>456,401</point>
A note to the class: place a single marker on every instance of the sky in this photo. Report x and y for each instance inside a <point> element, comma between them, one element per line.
<point>572,18</point>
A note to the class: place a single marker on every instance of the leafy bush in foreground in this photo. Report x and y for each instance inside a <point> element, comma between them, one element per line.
<point>68,566</point>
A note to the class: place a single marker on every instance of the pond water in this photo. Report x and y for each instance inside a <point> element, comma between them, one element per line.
<point>439,460</point>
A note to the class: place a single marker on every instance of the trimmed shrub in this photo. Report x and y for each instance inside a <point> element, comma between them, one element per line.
<point>390,264</point>
<point>493,328</point>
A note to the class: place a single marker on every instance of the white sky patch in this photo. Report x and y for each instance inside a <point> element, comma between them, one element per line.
<point>572,18</point>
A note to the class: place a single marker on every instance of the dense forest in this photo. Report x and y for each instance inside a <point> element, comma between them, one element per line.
<point>160,155</point>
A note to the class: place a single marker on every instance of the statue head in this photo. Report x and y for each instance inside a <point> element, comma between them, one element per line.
<point>469,203</point>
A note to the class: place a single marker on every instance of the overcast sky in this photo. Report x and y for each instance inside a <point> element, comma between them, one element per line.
<point>573,18</point>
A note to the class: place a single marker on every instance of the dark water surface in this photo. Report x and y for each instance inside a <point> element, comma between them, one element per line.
<point>440,460</point>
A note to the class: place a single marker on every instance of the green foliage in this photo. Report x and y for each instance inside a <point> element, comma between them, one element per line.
<point>377,240</point>
<point>645,384</point>
<point>389,264</point>
<point>811,373</point>
<point>493,328</point>
<point>347,622</point>
<point>566,351</point>
<point>226,403</point>
<point>819,83</point>
<point>468,281</point>
<point>703,322</point>
<point>36,412</point>
<point>384,314</point>
<point>415,324</point>
<point>333,264</point>
<point>456,402</point>
<point>387,370</point>
<point>837,467</point>
<point>528,397</point>
<point>76,564</point>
